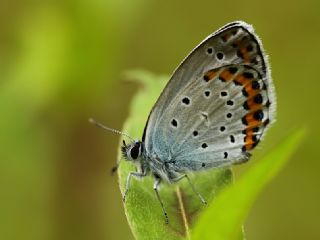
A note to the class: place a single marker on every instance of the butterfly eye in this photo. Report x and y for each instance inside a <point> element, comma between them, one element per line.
<point>135,151</point>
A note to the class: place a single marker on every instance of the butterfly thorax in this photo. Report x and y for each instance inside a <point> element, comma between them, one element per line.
<point>162,169</point>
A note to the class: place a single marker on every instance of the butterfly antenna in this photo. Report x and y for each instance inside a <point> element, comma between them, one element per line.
<point>94,122</point>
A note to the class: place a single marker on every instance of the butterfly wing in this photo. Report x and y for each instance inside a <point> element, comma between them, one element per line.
<point>217,104</point>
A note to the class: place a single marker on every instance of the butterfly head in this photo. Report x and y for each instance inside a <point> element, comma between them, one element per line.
<point>133,151</point>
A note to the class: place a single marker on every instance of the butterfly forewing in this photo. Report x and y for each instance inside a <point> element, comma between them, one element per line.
<point>217,104</point>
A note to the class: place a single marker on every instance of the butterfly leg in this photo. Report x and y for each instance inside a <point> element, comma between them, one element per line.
<point>131,174</point>
<point>155,187</point>
<point>192,186</point>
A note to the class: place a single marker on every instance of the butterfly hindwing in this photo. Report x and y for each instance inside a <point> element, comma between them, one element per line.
<point>217,104</point>
<point>229,121</point>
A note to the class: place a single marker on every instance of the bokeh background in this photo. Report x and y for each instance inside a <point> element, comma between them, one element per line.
<point>63,61</point>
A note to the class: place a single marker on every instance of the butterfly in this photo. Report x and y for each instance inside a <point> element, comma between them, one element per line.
<point>214,110</point>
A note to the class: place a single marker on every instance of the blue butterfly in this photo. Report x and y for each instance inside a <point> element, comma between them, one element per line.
<point>214,110</point>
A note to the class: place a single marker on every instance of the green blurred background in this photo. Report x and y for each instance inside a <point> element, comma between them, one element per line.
<point>63,61</point>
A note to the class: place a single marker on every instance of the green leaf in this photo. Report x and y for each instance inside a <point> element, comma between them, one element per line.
<point>227,212</point>
<point>142,208</point>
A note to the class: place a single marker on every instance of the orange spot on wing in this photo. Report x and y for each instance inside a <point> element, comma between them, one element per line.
<point>249,147</point>
<point>210,75</point>
<point>237,43</point>
<point>226,75</point>
<point>250,140</point>
<point>245,54</point>
<point>226,37</point>
<point>240,79</point>
<point>252,122</point>
<point>251,92</point>
<point>253,106</point>
<point>251,128</point>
